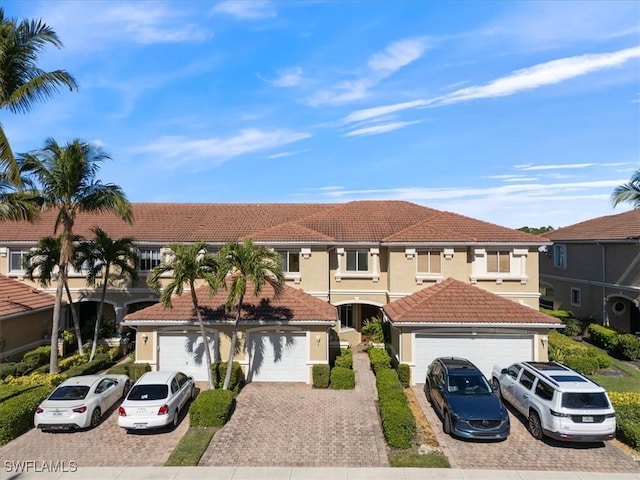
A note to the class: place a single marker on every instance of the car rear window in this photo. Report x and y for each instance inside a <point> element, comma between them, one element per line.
<point>469,385</point>
<point>584,400</point>
<point>148,392</point>
<point>71,392</point>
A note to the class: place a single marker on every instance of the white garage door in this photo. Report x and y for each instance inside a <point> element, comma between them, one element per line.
<point>278,357</point>
<point>484,351</point>
<point>185,353</point>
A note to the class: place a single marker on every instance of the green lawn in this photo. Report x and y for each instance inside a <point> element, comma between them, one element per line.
<point>629,382</point>
<point>191,447</point>
<point>411,459</point>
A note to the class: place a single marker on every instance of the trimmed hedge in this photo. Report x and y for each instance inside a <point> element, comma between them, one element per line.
<point>627,406</point>
<point>603,337</point>
<point>100,362</point>
<point>72,361</point>
<point>404,374</point>
<point>582,364</point>
<point>343,378</point>
<point>37,357</point>
<point>321,375</point>
<point>379,359</point>
<point>219,370</point>
<point>398,422</point>
<point>211,408</point>
<point>17,413</point>
<point>10,391</point>
<point>345,359</point>
<point>628,347</point>
<point>9,368</point>
<point>133,370</point>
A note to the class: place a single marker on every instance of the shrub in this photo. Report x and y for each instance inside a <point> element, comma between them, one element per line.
<point>321,375</point>
<point>72,361</point>
<point>583,364</point>
<point>7,369</point>
<point>114,353</point>
<point>133,370</point>
<point>572,326</point>
<point>373,329</point>
<point>343,378</point>
<point>604,360</point>
<point>628,347</point>
<point>219,370</point>
<point>404,374</point>
<point>627,406</point>
<point>35,379</point>
<point>17,413</point>
<point>345,359</point>
<point>211,408</point>
<point>628,432</point>
<point>99,363</point>
<point>36,357</point>
<point>603,337</point>
<point>398,422</point>
<point>562,347</point>
<point>9,391</point>
<point>379,359</point>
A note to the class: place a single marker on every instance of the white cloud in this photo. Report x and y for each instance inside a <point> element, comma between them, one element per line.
<point>396,56</point>
<point>247,9</point>
<point>217,150</point>
<point>288,154</point>
<point>540,75</point>
<point>343,92</point>
<point>378,129</point>
<point>529,167</point>
<point>290,77</point>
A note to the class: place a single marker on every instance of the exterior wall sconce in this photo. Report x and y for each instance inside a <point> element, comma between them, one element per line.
<point>145,337</point>
<point>318,340</point>
<point>544,340</point>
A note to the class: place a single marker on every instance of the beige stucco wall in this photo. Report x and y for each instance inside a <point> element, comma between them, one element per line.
<point>24,332</point>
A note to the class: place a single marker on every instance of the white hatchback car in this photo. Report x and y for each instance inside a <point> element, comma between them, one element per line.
<point>155,401</point>
<point>80,402</point>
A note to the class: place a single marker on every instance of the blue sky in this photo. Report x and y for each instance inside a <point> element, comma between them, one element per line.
<point>517,113</point>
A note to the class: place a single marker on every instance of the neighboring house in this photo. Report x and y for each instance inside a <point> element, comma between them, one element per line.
<point>280,337</point>
<point>593,270</point>
<point>25,318</point>
<point>357,256</point>
<point>453,318</point>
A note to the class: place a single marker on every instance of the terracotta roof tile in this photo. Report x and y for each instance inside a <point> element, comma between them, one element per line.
<point>17,297</point>
<point>622,226</point>
<point>453,301</point>
<point>290,232</point>
<point>292,305</point>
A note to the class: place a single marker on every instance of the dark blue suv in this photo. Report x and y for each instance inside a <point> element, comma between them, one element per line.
<point>465,401</point>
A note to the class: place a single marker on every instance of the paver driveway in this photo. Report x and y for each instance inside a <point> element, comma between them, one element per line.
<point>105,445</point>
<point>294,425</point>
<point>523,452</point>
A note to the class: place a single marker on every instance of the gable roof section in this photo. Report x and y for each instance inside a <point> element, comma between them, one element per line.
<point>623,226</point>
<point>292,305</point>
<point>453,301</point>
<point>17,298</point>
<point>367,222</point>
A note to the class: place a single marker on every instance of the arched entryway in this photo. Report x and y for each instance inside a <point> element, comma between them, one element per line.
<point>353,316</point>
<point>623,313</point>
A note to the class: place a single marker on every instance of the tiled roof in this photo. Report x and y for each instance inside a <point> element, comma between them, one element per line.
<point>453,301</point>
<point>359,221</point>
<point>292,305</point>
<point>16,297</point>
<point>611,227</point>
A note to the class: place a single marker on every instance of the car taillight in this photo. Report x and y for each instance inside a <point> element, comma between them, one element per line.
<point>81,409</point>
<point>39,410</point>
<point>558,414</point>
<point>164,410</point>
<point>122,412</point>
<point>610,415</point>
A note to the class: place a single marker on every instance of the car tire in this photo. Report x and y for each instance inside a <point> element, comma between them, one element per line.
<point>427,392</point>
<point>496,384</point>
<point>96,416</point>
<point>446,423</point>
<point>174,422</point>
<point>535,426</point>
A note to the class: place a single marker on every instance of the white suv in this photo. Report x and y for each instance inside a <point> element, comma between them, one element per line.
<point>559,402</point>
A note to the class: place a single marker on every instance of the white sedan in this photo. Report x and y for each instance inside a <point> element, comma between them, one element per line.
<point>155,401</point>
<point>80,402</point>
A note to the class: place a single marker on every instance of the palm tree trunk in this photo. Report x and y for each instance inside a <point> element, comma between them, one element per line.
<point>55,324</point>
<point>205,339</point>
<point>232,348</point>
<point>96,330</point>
<point>74,315</point>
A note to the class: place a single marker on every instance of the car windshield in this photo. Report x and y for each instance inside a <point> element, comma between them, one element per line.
<point>584,400</point>
<point>468,385</point>
<point>70,392</point>
<point>148,392</point>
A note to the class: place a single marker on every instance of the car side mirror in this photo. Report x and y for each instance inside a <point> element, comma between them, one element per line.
<point>439,387</point>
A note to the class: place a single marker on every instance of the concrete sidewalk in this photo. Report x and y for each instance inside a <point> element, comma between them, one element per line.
<point>258,473</point>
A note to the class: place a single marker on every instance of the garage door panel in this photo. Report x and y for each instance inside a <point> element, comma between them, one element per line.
<point>483,350</point>
<point>186,353</point>
<point>278,357</point>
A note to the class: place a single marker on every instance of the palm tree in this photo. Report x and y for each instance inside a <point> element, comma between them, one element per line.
<point>102,254</point>
<point>188,263</point>
<point>16,203</point>
<point>628,192</point>
<point>66,178</point>
<point>22,82</point>
<point>44,259</point>
<point>245,263</point>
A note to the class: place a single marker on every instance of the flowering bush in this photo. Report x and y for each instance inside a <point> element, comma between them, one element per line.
<point>48,379</point>
<point>627,406</point>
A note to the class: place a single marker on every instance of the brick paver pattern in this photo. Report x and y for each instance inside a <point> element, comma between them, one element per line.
<point>105,445</point>
<point>295,425</point>
<point>520,451</point>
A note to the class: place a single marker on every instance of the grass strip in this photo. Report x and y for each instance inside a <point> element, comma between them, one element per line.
<point>412,459</point>
<point>191,447</point>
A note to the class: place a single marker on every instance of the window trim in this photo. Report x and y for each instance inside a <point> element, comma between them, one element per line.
<point>560,256</point>
<point>344,326</point>
<point>151,249</point>
<point>358,252</point>
<point>23,252</point>
<point>576,297</point>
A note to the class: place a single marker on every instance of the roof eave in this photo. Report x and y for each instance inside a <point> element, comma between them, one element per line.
<point>466,243</point>
<point>477,324</point>
<point>171,323</point>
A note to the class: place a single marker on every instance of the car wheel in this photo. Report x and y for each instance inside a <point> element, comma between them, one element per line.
<point>127,387</point>
<point>446,423</point>
<point>427,393</point>
<point>95,417</point>
<point>496,384</point>
<point>174,422</point>
<point>535,427</point>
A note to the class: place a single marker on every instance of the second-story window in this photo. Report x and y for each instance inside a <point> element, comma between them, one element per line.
<point>357,260</point>
<point>498,261</point>
<point>560,256</point>
<point>149,259</point>
<point>429,261</point>
<point>290,261</point>
<point>16,260</point>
